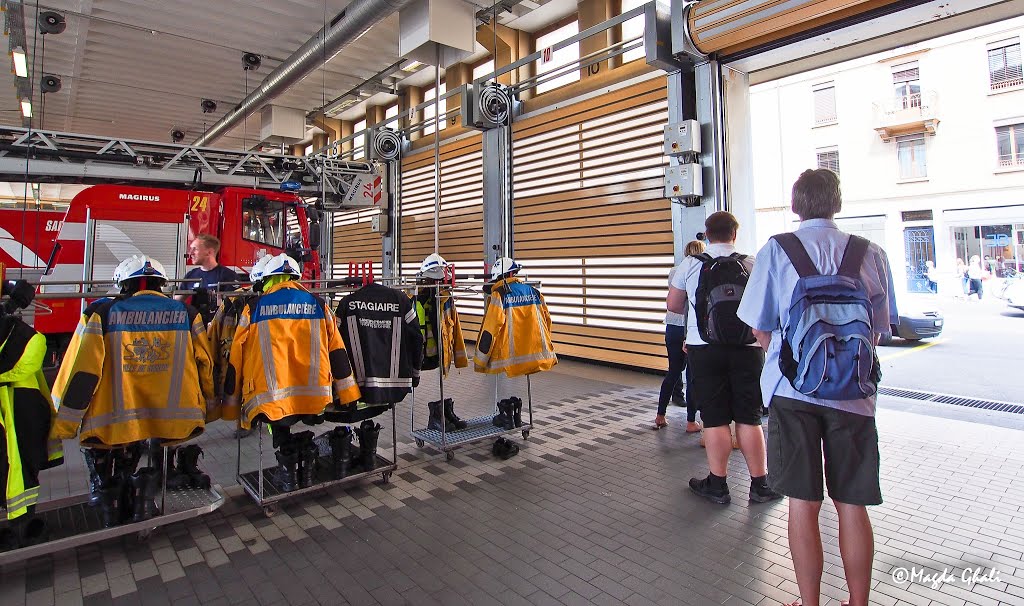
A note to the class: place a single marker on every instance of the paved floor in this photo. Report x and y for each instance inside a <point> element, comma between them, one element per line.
<point>594,510</point>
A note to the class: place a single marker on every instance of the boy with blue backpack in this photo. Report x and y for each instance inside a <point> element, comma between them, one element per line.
<point>818,300</point>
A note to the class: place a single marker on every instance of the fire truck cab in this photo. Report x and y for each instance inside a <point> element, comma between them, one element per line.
<point>107,223</point>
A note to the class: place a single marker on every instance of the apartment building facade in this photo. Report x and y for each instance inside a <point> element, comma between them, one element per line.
<point>928,141</point>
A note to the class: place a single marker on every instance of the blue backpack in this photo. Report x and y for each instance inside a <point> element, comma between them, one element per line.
<point>828,347</point>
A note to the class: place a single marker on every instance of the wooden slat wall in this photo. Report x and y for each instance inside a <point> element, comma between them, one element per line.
<point>592,225</point>
<point>353,240</point>
<point>460,228</point>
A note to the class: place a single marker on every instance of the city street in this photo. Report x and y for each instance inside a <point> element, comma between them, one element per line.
<point>978,354</point>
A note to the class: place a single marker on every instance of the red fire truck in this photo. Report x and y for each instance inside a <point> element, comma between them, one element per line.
<point>108,223</point>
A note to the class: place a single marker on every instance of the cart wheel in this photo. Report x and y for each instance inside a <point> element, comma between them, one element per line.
<point>386,476</point>
<point>526,434</point>
<point>269,511</point>
<point>449,455</point>
<point>419,443</point>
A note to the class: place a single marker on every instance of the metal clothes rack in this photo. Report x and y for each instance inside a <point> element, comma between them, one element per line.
<point>477,428</point>
<point>262,484</point>
<point>71,522</point>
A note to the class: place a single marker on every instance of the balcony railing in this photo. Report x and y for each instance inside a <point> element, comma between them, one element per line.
<point>1004,83</point>
<point>907,115</point>
<point>1008,161</point>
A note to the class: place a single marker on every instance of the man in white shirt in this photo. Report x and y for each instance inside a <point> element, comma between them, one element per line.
<point>725,377</point>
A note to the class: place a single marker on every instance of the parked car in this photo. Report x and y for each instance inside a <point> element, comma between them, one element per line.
<point>1014,293</point>
<point>916,322</point>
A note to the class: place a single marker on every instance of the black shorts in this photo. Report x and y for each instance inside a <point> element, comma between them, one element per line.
<point>726,383</point>
<point>798,434</point>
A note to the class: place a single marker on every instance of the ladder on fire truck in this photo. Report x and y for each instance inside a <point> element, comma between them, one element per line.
<point>44,156</point>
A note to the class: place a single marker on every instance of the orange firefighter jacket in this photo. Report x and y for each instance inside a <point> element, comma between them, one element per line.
<point>287,358</point>
<point>138,367</point>
<point>515,336</point>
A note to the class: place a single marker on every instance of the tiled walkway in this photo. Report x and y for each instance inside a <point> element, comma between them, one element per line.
<point>594,510</point>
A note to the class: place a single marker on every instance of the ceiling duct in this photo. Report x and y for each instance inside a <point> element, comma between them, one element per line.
<point>350,24</point>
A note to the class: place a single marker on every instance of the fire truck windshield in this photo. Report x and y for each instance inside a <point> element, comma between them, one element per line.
<point>263,221</point>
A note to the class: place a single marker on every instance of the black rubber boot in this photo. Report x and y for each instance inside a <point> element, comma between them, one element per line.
<point>146,487</point>
<point>288,457</point>
<point>506,408</point>
<point>33,532</point>
<point>368,433</point>
<point>340,439</point>
<point>501,419</point>
<point>100,463</point>
<point>517,411</point>
<point>188,466</point>
<point>110,502</point>
<point>437,418</point>
<point>308,454</point>
<point>125,462</point>
<point>176,479</point>
<point>450,417</point>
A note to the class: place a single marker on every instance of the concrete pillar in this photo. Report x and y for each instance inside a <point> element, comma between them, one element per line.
<point>591,13</point>
<point>413,97</point>
<point>346,131</point>
<point>454,77</point>
<point>320,141</point>
<point>374,114</point>
<point>331,126</point>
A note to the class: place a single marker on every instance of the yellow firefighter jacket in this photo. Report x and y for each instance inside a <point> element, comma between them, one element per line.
<point>515,336</point>
<point>26,415</point>
<point>287,358</point>
<point>452,345</point>
<point>138,367</point>
<point>221,334</point>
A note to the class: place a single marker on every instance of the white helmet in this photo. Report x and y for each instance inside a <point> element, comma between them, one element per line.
<point>138,266</point>
<point>256,273</point>
<point>281,265</point>
<point>504,267</point>
<point>433,267</point>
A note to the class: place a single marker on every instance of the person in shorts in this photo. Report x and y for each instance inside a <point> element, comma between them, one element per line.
<point>725,378</point>
<point>804,431</point>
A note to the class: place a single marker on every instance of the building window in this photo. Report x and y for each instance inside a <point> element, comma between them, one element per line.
<point>359,142</point>
<point>825,104</point>
<point>428,111</point>
<point>391,112</point>
<point>911,156</point>
<point>484,69</point>
<point>829,158</point>
<point>906,82</point>
<point>1004,65</point>
<point>559,58</point>
<point>634,28</point>
<point>1010,143</point>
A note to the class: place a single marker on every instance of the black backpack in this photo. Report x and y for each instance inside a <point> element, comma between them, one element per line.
<point>719,290</point>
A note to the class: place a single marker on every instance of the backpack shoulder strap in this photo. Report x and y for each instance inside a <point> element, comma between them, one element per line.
<point>797,254</point>
<point>853,257</point>
<point>703,257</point>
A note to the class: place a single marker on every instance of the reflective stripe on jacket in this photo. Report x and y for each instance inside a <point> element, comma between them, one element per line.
<point>515,336</point>
<point>26,415</point>
<point>453,345</point>
<point>137,368</point>
<point>287,358</point>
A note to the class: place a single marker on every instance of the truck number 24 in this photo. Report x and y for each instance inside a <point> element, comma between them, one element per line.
<point>199,203</point>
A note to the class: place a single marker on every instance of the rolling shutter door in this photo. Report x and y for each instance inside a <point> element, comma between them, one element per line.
<point>354,241</point>
<point>460,226</point>
<point>591,223</point>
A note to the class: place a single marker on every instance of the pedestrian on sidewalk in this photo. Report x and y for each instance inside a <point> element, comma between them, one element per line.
<point>791,304</point>
<point>725,360</point>
<point>675,335</point>
<point>975,275</point>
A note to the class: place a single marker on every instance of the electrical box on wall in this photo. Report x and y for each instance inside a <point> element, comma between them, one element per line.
<point>682,138</point>
<point>684,180</point>
<point>379,223</point>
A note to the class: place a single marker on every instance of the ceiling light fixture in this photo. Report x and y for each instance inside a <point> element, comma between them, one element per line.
<point>20,62</point>
<point>26,109</point>
<point>412,66</point>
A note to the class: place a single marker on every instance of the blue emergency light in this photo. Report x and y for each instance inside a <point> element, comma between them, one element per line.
<point>291,186</point>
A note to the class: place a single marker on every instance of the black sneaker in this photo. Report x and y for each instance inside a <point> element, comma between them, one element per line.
<point>760,493</point>
<point>702,487</point>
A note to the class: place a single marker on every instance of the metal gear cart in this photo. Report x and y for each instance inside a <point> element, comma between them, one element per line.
<point>265,488</point>
<point>72,522</point>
